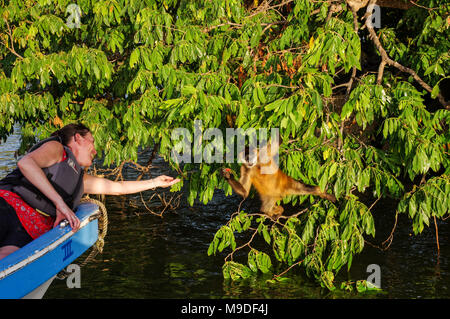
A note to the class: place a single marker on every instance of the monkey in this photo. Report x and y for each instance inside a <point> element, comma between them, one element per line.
<point>260,170</point>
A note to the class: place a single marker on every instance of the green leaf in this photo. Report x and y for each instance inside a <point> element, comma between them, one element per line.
<point>323,181</point>
<point>266,235</point>
<point>435,91</point>
<point>134,58</point>
<point>263,261</point>
<point>252,260</point>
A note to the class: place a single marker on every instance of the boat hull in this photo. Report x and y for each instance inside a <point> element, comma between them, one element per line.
<point>30,270</point>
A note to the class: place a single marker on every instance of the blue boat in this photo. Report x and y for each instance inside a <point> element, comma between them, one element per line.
<point>29,271</point>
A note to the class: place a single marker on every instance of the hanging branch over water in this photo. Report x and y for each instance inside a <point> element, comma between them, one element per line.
<point>385,59</point>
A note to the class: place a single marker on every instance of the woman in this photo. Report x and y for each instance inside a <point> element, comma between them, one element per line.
<point>48,183</point>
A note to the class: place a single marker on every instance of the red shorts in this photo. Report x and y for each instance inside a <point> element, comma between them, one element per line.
<point>34,223</point>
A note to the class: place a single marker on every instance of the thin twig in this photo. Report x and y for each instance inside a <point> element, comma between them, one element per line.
<point>13,51</point>
<point>230,255</point>
<point>437,235</point>
<point>355,28</point>
<point>296,214</point>
<point>391,236</point>
<point>418,5</point>
<point>286,270</point>
<point>149,162</point>
<point>163,201</point>
<point>374,203</point>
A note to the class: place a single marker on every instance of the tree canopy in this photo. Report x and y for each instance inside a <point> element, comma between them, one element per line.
<point>361,109</point>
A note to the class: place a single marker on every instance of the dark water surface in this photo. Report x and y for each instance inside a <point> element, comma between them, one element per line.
<point>147,256</point>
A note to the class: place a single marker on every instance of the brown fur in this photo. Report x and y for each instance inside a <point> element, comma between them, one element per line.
<point>271,187</point>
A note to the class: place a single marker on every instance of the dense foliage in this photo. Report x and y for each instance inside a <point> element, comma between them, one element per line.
<point>360,110</point>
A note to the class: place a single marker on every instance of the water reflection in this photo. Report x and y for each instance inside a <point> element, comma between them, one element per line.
<point>7,151</point>
<point>146,256</point>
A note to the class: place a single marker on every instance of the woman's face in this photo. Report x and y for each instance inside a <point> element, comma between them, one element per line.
<point>86,149</point>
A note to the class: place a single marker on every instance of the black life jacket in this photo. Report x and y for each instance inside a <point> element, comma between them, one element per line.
<point>66,177</point>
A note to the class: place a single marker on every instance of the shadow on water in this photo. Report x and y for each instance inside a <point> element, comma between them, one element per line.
<point>146,256</point>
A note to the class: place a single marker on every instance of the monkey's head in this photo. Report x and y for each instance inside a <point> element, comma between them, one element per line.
<point>249,157</point>
<point>252,156</point>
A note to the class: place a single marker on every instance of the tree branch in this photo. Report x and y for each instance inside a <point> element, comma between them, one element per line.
<point>355,28</point>
<point>13,51</point>
<point>385,59</point>
<point>396,4</point>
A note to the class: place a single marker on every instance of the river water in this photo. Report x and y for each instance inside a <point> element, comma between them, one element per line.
<point>147,256</point>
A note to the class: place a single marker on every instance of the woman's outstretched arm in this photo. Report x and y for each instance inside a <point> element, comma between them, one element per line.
<point>98,185</point>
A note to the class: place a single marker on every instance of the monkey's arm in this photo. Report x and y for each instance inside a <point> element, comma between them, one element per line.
<point>242,187</point>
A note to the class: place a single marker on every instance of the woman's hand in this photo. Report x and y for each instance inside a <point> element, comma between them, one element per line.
<point>64,212</point>
<point>165,181</point>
